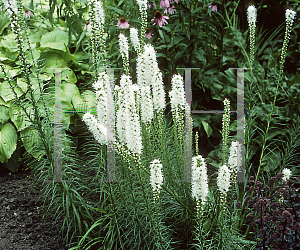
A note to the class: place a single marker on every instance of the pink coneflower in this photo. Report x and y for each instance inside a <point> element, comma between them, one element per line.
<point>148,33</point>
<point>214,7</point>
<point>27,14</point>
<point>159,19</point>
<point>123,24</point>
<point>86,25</point>
<point>172,10</point>
<point>164,3</point>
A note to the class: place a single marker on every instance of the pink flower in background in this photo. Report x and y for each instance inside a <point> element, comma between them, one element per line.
<point>123,24</point>
<point>149,5</point>
<point>159,19</point>
<point>27,14</point>
<point>148,33</point>
<point>214,7</point>
<point>164,3</point>
<point>172,10</point>
<point>86,25</point>
<point>176,1</point>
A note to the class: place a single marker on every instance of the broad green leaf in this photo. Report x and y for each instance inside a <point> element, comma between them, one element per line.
<point>69,90</point>
<point>32,142</point>
<point>56,39</point>
<point>7,93</point>
<point>84,102</point>
<point>4,114</point>
<point>207,128</point>
<point>9,42</point>
<point>18,116</point>
<point>8,141</point>
<point>161,34</point>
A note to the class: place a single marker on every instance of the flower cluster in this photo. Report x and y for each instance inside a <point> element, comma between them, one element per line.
<point>95,29</point>
<point>235,158</point>
<point>286,174</point>
<point>11,6</point>
<point>225,126</point>
<point>223,182</point>
<point>146,104</point>
<point>214,7</point>
<point>177,94</point>
<point>128,126</point>
<point>143,11</point>
<point>98,126</point>
<point>123,24</point>
<point>135,40</point>
<point>251,11</point>
<point>156,178</point>
<point>98,130</point>
<point>148,74</point>
<point>123,43</point>
<point>159,19</point>
<point>199,180</point>
<point>290,15</point>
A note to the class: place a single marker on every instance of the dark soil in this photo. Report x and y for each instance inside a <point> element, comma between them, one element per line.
<point>22,226</point>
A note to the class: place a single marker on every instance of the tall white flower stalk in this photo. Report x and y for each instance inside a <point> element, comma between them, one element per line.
<point>225,127</point>
<point>235,157</point>
<point>223,182</point>
<point>143,11</point>
<point>149,78</point>
<point>178,100</point>
<point>200,191</point>
<point>124,50</point>
<point>147,66</point>
<point>148,74</point>
<point>251,17</point>
<point>128,126</point>
<point>135,40</point>
<point>11,6</point>
<point>98,125</point>
<point>199,182</point>
<point>156,181</point>
<point>95,30</point>
<point>156,178</point>
<point>290,15</point>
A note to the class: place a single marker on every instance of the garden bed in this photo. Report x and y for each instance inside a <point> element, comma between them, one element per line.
<point>22,226</point>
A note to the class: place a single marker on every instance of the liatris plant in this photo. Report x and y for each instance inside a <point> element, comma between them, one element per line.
<point>274,211</point>
<point>141,133</point>
<point>290,15</point>
<point>235,156</point>
<point>199,190</point>
<point>225,130</point>
<point>95,30</point>
<point>156,181</point>
<point>223,181</point>
<point>251,16</point>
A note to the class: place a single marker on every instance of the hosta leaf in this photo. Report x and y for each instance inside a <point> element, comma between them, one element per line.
<point>4,114</point>
<point>32,142</point>
<point>69,90</point>
<point>7,93</point>
<point>8,141</point>
<point>18,116</point>
<point>56,39</point>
